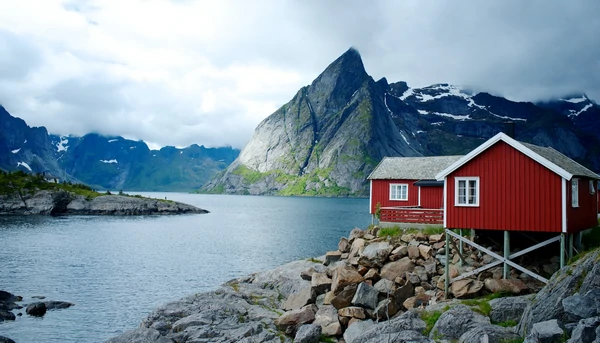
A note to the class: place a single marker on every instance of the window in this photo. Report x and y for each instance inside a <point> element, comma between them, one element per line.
<point>467,191</point>
<point>399,191</point>
<point>592,187</point>
<point>575,192</point>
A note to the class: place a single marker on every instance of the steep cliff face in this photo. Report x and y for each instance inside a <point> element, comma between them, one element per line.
<point>324,141</point>
<point>329,137</point>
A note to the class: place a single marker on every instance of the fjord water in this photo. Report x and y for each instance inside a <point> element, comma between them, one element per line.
<point>118,269</point>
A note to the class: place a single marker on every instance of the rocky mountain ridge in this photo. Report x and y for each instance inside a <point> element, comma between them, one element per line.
<point>107,162</point>
<point>331,135</point>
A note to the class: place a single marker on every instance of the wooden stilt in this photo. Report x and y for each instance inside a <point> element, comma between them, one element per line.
<point>472,235</point>
<point>563,243</point>
<point>447,266</point>
<point>570,246</point>
<point>506,271</point>
<point>578,243</point>
<point>460,249</point>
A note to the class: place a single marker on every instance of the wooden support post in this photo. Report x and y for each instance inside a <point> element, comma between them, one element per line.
<point>472,235</point>
<point>460,249</point>
<point>506,271</point>
<point>447,266</point>
<point>578,243</point>
<point>563,244</point>
<point>570,246</point>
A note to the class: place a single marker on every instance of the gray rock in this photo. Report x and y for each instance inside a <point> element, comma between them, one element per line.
<point>385,286</point>
<point>509,308</point>
<point>320,283</point>
<point>404,328</point>
<point>308,333</point>
<point>365,296</point>
<point>327,317</point>
<point>37,309</point>
<point>300,299</point>
<point>6,315</point>
<point>456,321</point>
<point>375,254</point>
<point>386,309</point>
<point>55,305</point>
<point>353,331</point>
<point>140,335</point>
<point>585,306</point>
<point>392,270</point>
<point>344,245</point>
<point>290,321</point>
<point>493,334</point>
<point>585,331</point>
<point>344,298</point>
<point>582,276</point>
<point>6,340</point>
<point>332,257</point>
<point>550,331</point>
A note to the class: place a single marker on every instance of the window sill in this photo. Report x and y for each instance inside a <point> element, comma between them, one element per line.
<point>466,205</point>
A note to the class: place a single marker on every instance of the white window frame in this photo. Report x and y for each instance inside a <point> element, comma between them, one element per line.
<point>457,180</point>
<point>574,192</point>
<point>592,187</point>
<point>399,192</point>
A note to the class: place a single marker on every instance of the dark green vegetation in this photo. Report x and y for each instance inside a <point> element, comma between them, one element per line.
<point>20,183</point>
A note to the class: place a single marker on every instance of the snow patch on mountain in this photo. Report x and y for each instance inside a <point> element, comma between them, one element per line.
<point>112,140</point>
<point>60,146</point>
<point>109,161</point>
<point>24,165</point>
<point>16,151</point>
<point>575,100</point>
<point>585,108</point>
<point>506,117</point>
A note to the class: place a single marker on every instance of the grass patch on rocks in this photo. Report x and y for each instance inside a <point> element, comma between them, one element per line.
<point>430,318</point>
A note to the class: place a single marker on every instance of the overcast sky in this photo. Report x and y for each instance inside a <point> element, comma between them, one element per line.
<point>177,72</point>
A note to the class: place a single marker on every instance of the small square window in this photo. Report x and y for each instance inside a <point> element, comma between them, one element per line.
<point>467,191</point>
<point>399,191</point>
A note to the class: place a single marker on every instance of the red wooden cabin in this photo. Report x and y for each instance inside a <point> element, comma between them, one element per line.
<point>405,191</point>
<point>507,185</point>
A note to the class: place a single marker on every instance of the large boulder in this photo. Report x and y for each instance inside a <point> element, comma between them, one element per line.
<point>509,308</point>
<point>465,288</point>
<point>300,299</point>
<point>36,309</point>
<point>344,276</point>
<point>453,323</point>
<point>581,277</point>
<point>320,283</point>
<point>394,269</point>
<point>6,340</point>
<point>583,306</point>
<point>365,296</point>
<point>290,321</point>
<point>327,317</point>
<point>56,305</point>
<point>375,254</point>
<point>356,329</point>
<point>344,298</point>
<point>407,327</point>
<point>140,335</point>
<point>550,331</point>
<point>490,334</point>
<point>586,331</point>
<point>308,333</point>
<point>514,286</point>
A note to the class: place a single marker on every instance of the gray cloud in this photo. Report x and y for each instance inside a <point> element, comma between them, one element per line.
<point>183,72</point>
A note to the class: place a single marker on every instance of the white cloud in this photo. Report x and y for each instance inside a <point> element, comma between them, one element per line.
<point>207,72</point>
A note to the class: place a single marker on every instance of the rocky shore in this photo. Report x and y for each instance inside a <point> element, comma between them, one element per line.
<point>375,289</point>
<point>59,202</point>
<point>10,303</point>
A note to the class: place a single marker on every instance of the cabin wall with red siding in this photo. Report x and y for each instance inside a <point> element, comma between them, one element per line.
<point>585,216</point>
<point>432,197</point>
<point>516,193</point>
<point>380,193</point>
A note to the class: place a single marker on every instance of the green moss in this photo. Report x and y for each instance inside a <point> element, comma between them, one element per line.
<point>430,318</point>
<point>20,183</point>
<point>314,260</point>
<point>507,324</point>
<point>249,176</point>
<point>327,339</point>
<point>390,232</point>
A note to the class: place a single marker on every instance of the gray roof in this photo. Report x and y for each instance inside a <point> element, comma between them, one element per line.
<point>562,161</point>
<point>411,168</point>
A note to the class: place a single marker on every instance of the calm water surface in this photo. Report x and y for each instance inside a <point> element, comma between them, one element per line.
<point>118,269</point>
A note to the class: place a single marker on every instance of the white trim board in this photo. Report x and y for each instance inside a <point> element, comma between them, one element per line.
<point>510,141</point>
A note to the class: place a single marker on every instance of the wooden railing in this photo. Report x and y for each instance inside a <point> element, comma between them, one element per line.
<point>412,215</point>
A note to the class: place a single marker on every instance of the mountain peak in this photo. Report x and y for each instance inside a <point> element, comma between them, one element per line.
<point>348,61</point>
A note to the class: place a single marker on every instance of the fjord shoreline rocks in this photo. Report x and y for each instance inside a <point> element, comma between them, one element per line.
<point>66,203</point>
<point>376,289</point>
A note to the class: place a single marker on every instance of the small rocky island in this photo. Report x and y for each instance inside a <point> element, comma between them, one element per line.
<point>25,194</point>
<point>382,289</point>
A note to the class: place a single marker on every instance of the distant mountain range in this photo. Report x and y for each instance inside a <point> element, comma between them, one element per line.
<point>111,163</point>
<point>330,136</point>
